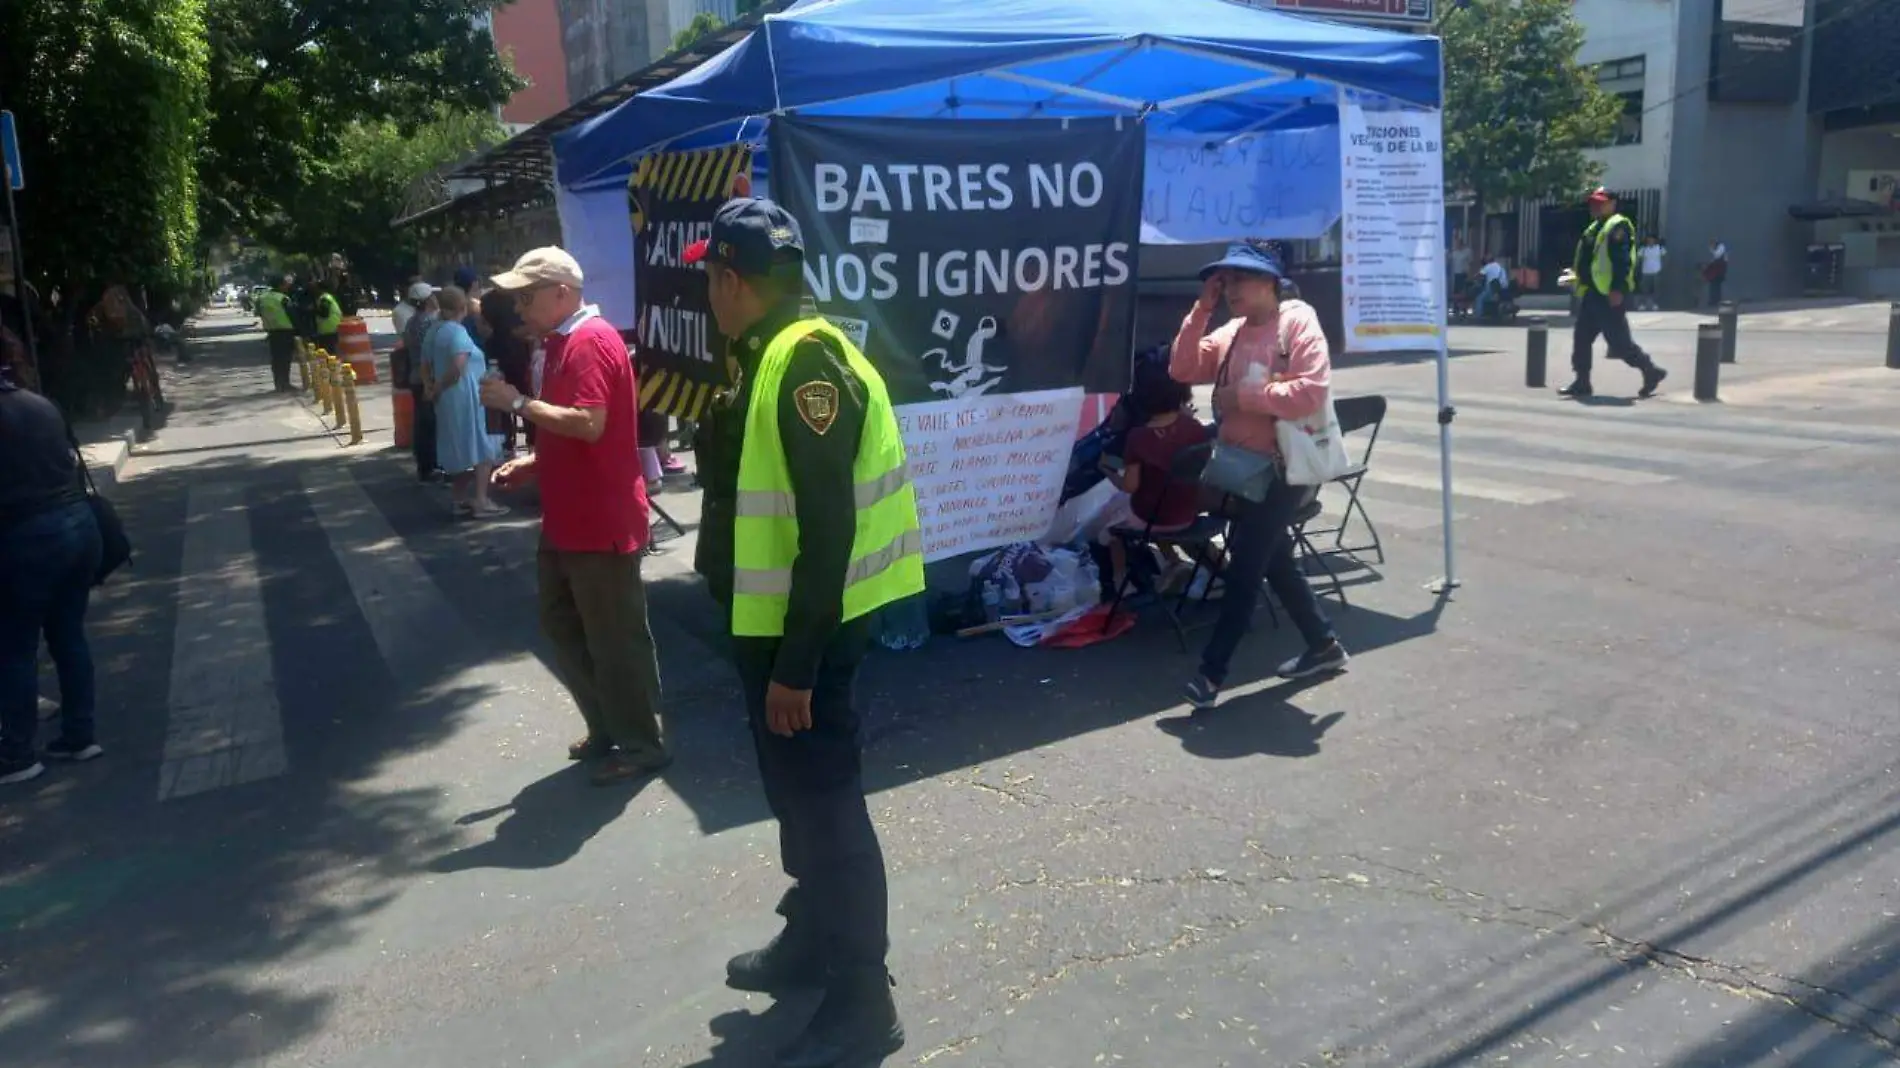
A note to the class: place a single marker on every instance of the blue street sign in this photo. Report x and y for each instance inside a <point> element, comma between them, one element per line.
<point>10,148</point>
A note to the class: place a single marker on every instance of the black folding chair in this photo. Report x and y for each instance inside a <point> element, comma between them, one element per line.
<point>1308,511</point>
<point>1197,540</point>
<point>1356,414</point>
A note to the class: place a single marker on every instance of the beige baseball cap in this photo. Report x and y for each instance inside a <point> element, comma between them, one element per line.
<point>541,266</point>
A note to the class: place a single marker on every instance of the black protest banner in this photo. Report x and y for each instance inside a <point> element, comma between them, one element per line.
<point>672,197</point>
<point>970,257</point>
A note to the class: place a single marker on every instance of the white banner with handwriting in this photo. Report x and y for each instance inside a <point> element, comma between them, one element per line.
<point>988,469</point>
<point>1283,184</point>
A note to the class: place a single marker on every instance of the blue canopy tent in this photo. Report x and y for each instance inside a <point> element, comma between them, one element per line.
<point>1212,70</point>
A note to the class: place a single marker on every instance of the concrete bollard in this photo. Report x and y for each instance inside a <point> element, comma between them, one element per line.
<point>1708,360</point>
<point>1893,336</point>
<point>1536,352</point>
<point>1728,317</point>
<point>349,399</point>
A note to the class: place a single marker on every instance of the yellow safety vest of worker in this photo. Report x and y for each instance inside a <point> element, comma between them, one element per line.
<point>274,309</point>
<point>1602,274</point>
<point>329,314</point>
<point>887,560</point>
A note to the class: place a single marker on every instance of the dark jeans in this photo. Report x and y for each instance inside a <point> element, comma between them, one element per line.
<point>814,785</point>
<point>47,564</point>
<point>1715,292</point>
<point>283,350</point>
<point>327,342</point>
<point>594,611</point>
<point>422,433</point>
<point>1260,546</point>
<point>1596,316</point>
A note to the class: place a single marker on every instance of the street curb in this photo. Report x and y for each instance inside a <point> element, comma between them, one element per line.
<point>106,459</point>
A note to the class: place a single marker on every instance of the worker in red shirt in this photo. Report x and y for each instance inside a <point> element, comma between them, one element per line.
<point>593,515</point>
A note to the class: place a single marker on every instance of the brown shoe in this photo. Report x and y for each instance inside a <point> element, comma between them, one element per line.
<point>618,767</point>
<point>589,748</point>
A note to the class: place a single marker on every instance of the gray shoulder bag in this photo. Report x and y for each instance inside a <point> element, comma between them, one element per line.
<point>1231,469</point>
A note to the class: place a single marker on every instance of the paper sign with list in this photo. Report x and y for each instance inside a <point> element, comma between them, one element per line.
<point>988,470</point>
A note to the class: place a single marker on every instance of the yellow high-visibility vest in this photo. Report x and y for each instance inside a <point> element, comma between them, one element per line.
<point>329,314</point>
<point>1598,270</point>
<point>887,551</point>
<point>274,309</point>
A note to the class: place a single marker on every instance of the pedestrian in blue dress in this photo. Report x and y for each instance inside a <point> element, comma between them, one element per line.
<point>452,369</point>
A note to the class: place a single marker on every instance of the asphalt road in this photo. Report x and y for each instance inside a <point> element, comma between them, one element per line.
<point>1627,797</point>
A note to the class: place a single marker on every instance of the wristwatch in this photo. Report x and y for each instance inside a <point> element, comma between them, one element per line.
<point>521,401</point>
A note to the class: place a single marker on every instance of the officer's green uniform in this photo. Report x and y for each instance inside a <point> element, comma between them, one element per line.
<point>1605,263</point>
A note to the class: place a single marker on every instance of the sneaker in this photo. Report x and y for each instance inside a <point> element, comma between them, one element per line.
<point>75,752</point>
<point>1651,379</point>
<point>1201,693</point>
<point>1579,388</point>
<point>12,771</point>
<point>1319,660</point>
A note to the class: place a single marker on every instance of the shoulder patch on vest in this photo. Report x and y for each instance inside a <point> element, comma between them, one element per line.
<point>817,404</point>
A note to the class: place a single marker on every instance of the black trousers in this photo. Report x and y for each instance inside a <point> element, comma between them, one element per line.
<point>422,433</point>
<point>839,901</point>
<point>283,349</point>
<point>1595,316</point>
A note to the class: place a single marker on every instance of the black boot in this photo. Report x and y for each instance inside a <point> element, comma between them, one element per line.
<point>788,962</point>
<point>1579,388</point>
<point>1652,377</point>
<point>856,1026</point>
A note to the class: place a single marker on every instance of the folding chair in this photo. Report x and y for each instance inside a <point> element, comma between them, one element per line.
<point>1308,511</point>
<point>1356,414</point>
<point>1196,539</point>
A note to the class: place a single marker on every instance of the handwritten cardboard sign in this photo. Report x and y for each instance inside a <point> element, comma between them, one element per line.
<point>988,469</point>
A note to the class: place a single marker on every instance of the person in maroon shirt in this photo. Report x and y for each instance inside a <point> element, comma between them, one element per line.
<point>593,515</point>
<point>1152,497</point>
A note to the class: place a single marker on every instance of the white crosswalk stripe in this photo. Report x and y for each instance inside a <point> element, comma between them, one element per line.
<point>225,725</point>
<point>1534,450</point>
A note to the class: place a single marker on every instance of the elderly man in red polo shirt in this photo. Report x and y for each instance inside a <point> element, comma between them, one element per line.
<point>593,515</point>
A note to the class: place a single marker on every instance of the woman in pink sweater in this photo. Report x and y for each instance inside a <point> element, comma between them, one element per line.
<point>1269,362</point>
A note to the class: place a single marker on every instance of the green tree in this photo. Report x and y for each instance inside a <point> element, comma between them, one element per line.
<point>706,22</point>
<point>349,200</point>
<point>288,80</point>
<point>1520,111</point>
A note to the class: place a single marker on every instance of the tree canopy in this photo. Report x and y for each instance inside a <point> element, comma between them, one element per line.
<point>1520,111</point>
<point>288,80</point>
<point>706,22</point>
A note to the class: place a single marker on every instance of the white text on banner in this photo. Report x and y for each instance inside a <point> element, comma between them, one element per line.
<point>1392,195</point>
<point>988,469</point>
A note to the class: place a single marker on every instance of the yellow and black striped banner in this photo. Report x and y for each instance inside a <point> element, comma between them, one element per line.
<point>672,197</point>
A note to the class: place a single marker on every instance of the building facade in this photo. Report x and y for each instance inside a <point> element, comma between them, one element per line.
<point>528,32</point>
<point>607,40</point>
<point>1744,120</point>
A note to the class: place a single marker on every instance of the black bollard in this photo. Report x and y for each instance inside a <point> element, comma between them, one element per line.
<point>1893,337</point>
<point>1726,315</point>
<point>1708,360</point>
<point>1537,352</point>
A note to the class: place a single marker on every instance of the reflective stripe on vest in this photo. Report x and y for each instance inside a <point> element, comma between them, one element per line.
<point>887,562</point>
<point>1601,278</point>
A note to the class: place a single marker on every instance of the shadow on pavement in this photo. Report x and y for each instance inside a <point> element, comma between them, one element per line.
<point>1665,925</point>
<point>748,1039</point>
<point>546,824</point>
<point>1263,723</point>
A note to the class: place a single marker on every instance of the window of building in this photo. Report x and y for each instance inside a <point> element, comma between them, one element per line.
<point>1623,78</point>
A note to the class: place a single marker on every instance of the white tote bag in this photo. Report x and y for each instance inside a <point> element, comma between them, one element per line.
<point>1313,448</point>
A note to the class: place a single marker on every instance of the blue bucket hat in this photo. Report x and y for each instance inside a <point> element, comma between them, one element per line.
<point>1244,257</point>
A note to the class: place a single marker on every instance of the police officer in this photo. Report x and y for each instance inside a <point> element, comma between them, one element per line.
<point>1605,265</point>
<point>329,316</point>
<point>809,525</point>
<point>273,311</point>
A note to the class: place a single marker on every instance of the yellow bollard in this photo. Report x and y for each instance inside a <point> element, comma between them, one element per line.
<point>320,369</point>
<point>303,367</point>
<point>337,369</point>
<point>356,413</point>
